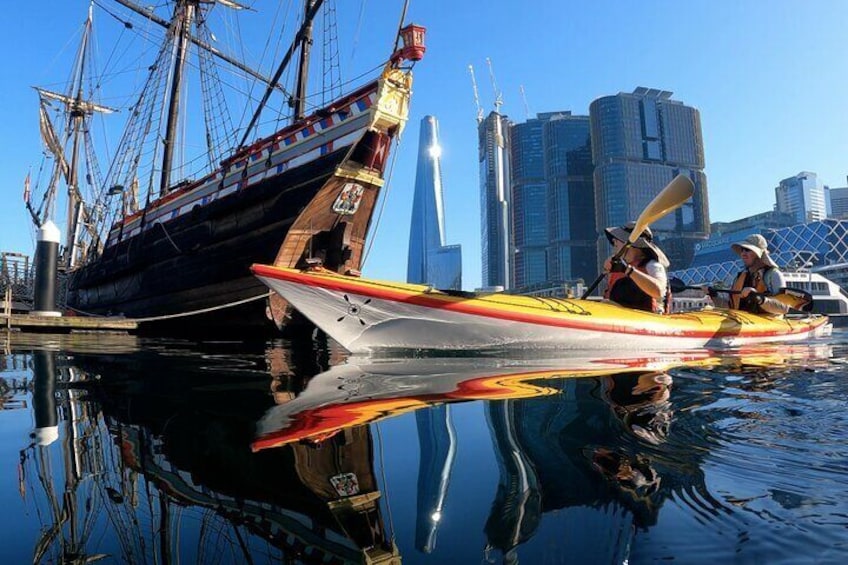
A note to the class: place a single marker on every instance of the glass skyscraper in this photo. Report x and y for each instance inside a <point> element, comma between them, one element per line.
<point>495,240</point>
<point>839,202</point>
<point>430,261</point>
<point>529,203</point>
<point>553,208</point>
<point>640,142</point>
<point>803,196</point>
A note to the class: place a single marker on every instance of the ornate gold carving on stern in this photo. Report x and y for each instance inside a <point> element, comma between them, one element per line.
<point>392,107</point>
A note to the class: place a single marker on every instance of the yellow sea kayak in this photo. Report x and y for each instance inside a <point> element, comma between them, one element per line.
<point>366,315</point>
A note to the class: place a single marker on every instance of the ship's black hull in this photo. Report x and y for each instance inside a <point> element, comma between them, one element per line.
<point>201,259</point>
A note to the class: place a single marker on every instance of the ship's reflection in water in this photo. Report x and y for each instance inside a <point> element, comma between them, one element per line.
<point>150,452</point>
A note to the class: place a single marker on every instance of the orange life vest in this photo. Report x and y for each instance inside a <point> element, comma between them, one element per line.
<point>746,279</point>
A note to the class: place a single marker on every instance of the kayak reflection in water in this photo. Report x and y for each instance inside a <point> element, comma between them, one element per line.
<point>634,476</point>
<point>640,401</point>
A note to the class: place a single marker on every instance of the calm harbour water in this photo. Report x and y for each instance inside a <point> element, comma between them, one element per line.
<point>151,451</point>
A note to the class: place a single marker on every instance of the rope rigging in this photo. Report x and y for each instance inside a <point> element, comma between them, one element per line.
<point>220,133</point>
<point>135,168</point>
<point>331,77</point>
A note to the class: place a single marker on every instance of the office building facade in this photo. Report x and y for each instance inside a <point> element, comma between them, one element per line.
<point>553,208</point>
<point>716,249</point>
<point>640,142</point>
<point>838,202</point>
<point>430,260</point>
<point>529,190</point>
<point>803,196</point>
<point>495,206</point>
<point>762,221</point>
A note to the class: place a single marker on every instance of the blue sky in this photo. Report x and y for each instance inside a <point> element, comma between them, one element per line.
<point>768,77</point>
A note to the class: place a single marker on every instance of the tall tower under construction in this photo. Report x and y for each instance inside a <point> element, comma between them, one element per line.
<point>496,240</point>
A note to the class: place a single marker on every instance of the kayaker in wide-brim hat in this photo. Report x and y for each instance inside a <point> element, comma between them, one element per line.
<point>645,241</point>
<point>753,287</point>
<point>756,244</point>
<point>637,278</point>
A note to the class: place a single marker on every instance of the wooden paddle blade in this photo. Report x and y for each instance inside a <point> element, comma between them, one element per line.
<point>678,191</point>
<point>795,298</point>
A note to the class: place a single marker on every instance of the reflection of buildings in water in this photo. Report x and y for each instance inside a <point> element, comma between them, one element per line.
<point>516,510</point>
<point>437,441</point>
<point>596,451</point>
<point>187,431</point>
<point>602,453</point>
<point>11,391</point>
<point>14,380</point>
<point>352,394</point>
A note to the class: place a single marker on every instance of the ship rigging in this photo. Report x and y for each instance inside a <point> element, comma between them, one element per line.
<point>174,223</point>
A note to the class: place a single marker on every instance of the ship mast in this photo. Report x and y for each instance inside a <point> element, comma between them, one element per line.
<point>77,109</point>
<point>199,42</point>
<point>179,28</point>
<point>184,13</point>
<point>312,7</point>
<point>76,116</point>
<point>298,102</point>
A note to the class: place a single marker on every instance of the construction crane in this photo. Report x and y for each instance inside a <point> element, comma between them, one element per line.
<point>498,96</point>
<point>524,99</point>
<point>476,96</point>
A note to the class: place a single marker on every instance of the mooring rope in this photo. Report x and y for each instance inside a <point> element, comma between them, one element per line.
<point>185,314</point>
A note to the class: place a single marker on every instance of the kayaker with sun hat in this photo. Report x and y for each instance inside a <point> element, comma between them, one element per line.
<point>638,278</point>
<point>752,285</point>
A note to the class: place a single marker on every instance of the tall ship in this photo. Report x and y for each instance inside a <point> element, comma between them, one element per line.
<point>146,239</point>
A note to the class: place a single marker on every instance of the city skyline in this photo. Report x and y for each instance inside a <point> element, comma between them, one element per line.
<point>736,66</point>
